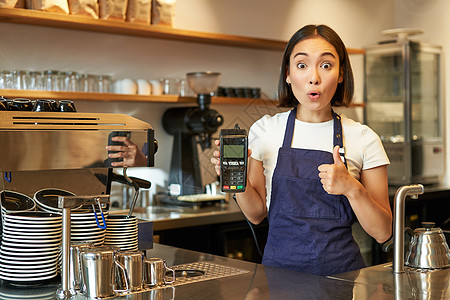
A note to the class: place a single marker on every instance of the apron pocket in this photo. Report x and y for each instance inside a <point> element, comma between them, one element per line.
<point>307,198</point>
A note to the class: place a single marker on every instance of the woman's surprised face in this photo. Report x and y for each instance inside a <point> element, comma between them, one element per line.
<point>314,73</point>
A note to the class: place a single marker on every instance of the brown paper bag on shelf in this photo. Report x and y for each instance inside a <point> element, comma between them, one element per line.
<point>12,3</point>
<point>84,8</point>
<point>113,9</point>
<point>139,11</point>
<point>59,6</point>
<point>163,12</point>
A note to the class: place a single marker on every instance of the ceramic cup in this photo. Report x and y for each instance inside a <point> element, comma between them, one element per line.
<point>20,104</point>
<point>3,104</point>
<point>43,105</point>
<point>143,87</point>
<point>66,106</point>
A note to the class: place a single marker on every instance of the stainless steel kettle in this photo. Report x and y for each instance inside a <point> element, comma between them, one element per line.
<point>428,248</point>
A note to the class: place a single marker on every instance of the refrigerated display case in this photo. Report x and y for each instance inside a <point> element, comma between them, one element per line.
<point>404,106</point>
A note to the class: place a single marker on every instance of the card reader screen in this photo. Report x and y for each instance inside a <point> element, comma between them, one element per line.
<point>233,151</point>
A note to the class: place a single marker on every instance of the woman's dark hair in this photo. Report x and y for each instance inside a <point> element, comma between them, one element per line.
<point>344,92</point>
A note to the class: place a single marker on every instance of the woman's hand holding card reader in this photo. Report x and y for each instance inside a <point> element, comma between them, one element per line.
<point>233,159</point>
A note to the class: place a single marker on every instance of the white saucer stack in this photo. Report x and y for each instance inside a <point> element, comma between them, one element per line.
<point>84,228</point>
<point>122,232</point>
<point>30,247</point>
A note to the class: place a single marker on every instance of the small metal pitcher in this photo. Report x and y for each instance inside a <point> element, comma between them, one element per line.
<point>155,272</point>
<point>99,273</point>
<point>75,278</point>
<point>133,261</point>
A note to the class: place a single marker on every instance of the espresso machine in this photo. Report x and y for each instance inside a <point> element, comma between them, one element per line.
<point>65,151</point>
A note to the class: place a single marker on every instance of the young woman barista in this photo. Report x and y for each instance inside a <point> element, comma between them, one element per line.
<point>311,171</point>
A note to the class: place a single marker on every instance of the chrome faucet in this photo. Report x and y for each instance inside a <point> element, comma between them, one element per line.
<point>399,223</point>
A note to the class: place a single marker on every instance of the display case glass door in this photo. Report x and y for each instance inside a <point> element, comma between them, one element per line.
<point>425,94</point>
<point>385,77</point>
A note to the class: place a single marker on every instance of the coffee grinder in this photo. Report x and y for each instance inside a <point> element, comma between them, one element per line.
<point>191,126</point>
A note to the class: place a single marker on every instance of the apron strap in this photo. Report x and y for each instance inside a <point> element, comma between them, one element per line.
<point>338,137</point>
<point>289,132</point>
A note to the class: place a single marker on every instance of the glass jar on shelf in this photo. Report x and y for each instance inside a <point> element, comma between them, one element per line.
<point>104,83</point>
<point>52,80</point>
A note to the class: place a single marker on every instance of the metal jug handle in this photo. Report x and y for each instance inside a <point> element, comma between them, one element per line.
<point>101,213</point>
<point>125,275</point>
<point>173,274</point>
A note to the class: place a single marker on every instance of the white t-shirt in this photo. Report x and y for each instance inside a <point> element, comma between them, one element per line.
<point>363,147</point>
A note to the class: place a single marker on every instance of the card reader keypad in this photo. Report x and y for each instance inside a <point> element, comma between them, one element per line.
<point>235,176</point>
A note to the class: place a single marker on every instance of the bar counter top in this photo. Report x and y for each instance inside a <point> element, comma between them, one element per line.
<point>255,281</point>
<point>171,217</point>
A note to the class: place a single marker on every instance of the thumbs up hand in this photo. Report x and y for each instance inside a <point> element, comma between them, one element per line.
<point>337,156</point>
<point>335,178</point>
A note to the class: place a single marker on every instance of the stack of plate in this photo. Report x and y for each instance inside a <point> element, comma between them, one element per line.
<point>30,247</point>
<point>84,228</point>
<point>83,223</point>
<point>122,232</point>
<point>15,202</point>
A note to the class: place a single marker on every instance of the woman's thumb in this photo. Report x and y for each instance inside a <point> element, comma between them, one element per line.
<point>336,156</point>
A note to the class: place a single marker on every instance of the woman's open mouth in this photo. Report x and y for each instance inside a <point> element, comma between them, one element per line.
<point>314,95</point>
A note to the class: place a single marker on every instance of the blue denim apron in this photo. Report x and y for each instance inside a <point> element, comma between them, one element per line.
<point>309,230</point>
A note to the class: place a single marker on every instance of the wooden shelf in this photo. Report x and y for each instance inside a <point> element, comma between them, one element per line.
<point>74,22</point>
<point>109,97</point>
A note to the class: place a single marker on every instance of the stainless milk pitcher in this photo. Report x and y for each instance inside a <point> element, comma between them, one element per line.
<point>99,273</point>
<point>75,278</point>
<point>133,263</point>
<point>155,272</point>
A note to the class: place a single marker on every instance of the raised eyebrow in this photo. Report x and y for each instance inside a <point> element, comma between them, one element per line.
<point>322,55</point>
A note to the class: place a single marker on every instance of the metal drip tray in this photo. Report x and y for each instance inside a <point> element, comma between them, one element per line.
<point>201,271</point>
<point>185,274</point>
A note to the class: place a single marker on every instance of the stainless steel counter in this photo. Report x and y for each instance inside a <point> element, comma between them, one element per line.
<point>412,284</point>
<point>171,217</point>
<point>260,282</point>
